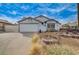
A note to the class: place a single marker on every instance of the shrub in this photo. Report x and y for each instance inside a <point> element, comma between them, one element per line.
<point>35,38</point>
<point>36,49</point>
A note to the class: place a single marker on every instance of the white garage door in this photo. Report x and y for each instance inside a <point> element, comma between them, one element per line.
<point>29,27</point>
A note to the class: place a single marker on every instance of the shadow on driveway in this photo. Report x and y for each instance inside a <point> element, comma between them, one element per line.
<point>27,34</point>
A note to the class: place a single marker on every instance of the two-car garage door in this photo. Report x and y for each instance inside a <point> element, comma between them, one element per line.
<point>29,27</point>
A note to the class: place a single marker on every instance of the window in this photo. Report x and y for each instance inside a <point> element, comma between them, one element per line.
<point>48,25</point>
<point>51,25</point>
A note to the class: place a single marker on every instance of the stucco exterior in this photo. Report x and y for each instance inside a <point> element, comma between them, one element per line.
<point>11,28</point>
<point>36,24</point>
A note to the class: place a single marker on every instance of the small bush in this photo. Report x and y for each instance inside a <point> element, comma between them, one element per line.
<point>35,38</point>
<point>36,49</point>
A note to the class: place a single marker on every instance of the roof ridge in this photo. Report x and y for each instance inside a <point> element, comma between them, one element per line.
<point>42,16</point>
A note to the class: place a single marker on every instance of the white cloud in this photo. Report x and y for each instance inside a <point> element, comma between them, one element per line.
<point>4,17</point>
<point>59,9</point>
<point>54,10</point>
<point>62,21</point>
<point>72,9</point>
<point>13,12</point>
<point>24,8</point>
<point>44,5</point>
<point>72,18</point>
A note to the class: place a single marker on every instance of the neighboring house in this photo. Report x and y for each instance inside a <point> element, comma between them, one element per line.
<point>11,28</point>
<point>70,25</point>
<point>73,25</point>
<point>39,23</point>
<point>2,24</point>
<point>65,26</point>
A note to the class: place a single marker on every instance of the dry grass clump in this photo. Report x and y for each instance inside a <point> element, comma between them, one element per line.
<point>36,49</point>
<point>35,38</point>
<point>60,50</point>
<point>53,49</point>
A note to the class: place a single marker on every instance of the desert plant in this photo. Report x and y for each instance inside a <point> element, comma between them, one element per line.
<point>35,38</point>
<point>36,49</point>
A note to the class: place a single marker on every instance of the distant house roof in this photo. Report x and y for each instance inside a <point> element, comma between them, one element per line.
<point>72,24</point>
<point>25,18</point>
<point>4,21</point>
<point>42,20</point>
<point>53,20</point>
<point>39,20</point>
<point>31,20</point>
<point>48,19</point>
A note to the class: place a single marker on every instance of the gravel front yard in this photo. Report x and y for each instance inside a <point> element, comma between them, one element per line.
<point>15,43</point>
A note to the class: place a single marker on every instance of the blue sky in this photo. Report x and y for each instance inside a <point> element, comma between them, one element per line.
<point>62,12</point>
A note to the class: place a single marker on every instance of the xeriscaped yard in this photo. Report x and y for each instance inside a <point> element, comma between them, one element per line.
<point>51,43</point>
<point>22,44</point>
<point>14,43</point>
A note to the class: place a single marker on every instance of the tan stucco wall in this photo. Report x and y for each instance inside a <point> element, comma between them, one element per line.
<point>11,28</point>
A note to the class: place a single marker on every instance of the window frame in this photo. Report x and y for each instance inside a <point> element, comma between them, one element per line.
<point>51,25</point>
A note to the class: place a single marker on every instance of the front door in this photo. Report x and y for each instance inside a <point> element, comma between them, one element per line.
<point>51,26</point>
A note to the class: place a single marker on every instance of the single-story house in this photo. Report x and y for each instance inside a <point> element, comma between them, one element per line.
<point>39,23</point>
<point>3,23</point>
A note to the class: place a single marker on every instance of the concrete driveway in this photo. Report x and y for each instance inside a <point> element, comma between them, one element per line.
<point>15,43</point>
